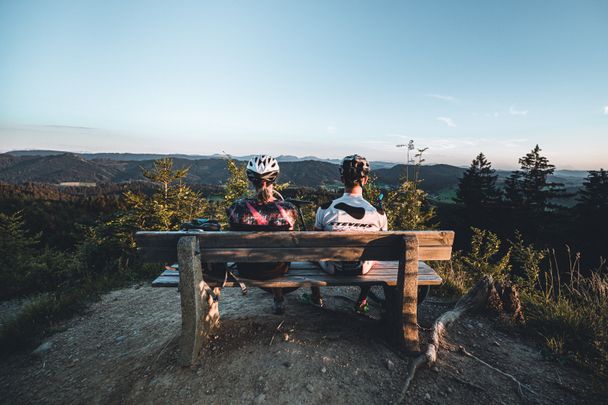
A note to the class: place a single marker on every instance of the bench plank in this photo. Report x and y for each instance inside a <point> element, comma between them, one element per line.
<point>218,247</point>
<point>308,274</point>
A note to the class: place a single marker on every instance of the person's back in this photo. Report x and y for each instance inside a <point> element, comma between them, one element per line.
<point>351,212</point>
<point>251,214</point>
<point>263,213</point>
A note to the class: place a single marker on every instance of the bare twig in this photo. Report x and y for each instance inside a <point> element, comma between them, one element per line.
<point>476,297</point>
<point>276,330</point>
<point>465,382</point>
<point>520,385</point>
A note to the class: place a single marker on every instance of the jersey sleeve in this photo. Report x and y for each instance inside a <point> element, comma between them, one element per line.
<point>383,222</point>
<point>319,218</point>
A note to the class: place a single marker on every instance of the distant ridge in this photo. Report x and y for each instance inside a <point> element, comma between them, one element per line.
<point>55,167</point>
<point>154,156</point>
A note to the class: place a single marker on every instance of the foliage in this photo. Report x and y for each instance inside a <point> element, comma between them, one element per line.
<point>484,257</point>
<point>529,194</point>
<point>570,314</point>
<point>171,204</point>
<point>591,214</point>
<point>407,206</point>
<point>478,194</point>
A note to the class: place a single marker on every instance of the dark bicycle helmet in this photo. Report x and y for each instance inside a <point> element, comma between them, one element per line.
<point>262,168</point>
<point>354,168</point>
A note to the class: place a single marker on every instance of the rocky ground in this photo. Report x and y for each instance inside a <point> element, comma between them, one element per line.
<point>123,350</point>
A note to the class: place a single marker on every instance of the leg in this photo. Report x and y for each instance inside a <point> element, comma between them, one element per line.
<point>361,305</point>
<point>278,305</point>
<point>200,312</point>
<point>402,300</point>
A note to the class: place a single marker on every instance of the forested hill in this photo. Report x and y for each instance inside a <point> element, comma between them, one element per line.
<point>68,167</point>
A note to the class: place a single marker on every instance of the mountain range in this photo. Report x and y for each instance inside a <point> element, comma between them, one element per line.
<point>55,167</point>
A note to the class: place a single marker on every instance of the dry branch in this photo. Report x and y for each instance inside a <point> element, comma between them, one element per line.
<point>520,385</point>
<point>475,298</point>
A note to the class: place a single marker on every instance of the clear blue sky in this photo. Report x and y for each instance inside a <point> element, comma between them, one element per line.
<point>324,78</point>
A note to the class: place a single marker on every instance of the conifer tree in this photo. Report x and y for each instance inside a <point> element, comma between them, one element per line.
<point>477,186</point>
<point>529,188</point>
<point>478,194</point>
<point>529,194</point>
<point>591,214</point>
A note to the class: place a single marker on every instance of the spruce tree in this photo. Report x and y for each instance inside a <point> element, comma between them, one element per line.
<point>529,195</point>
<point>591,215</point>
<point>478,194</point>
<point>477,186</point>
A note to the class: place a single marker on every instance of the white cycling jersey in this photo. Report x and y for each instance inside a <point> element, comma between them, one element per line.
<point>351,212</point>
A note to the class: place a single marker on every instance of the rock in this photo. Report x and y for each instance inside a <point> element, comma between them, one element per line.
<point>495,343</point>
<point>325,360</point>
<point>427,396</point>
<point>323,370</point>
<point>98,345</point>
<point>390,365</point>
<point>435,369</point>
<point>285,337</point>
<point>310,388</point>
<point>287,364</point>
<point>259,399</point>
<point>43,349</point>
<point>450,390</point>
<point>120,339</point>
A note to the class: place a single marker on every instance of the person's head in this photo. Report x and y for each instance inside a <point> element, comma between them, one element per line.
<point>262,172</point>
<point>354,171</point>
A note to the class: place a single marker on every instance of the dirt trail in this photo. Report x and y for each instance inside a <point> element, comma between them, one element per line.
<point>123,350</point>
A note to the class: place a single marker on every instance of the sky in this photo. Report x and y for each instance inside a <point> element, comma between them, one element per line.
<point>324,78</point>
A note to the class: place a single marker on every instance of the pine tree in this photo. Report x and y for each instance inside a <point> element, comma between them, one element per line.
<point>478,196</point>
<point>529,188</point>
<point>591,214</point>
<point>529,196</point>
<point>477,186</point>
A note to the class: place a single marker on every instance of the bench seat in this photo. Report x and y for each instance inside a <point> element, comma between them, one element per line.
<point>306,274</point>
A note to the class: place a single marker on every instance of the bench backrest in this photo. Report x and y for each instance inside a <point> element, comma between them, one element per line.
<point>296,246</point>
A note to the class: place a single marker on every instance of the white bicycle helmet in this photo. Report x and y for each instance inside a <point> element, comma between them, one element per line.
<point>262,168</point>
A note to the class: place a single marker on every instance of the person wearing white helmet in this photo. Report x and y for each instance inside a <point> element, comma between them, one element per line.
<point>350,212</point>
<point>265,212</point>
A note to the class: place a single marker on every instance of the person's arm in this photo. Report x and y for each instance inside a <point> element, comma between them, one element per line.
<point>319,219</point>
<point>383,222</point>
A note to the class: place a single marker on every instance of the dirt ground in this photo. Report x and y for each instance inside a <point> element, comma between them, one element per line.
<point>123,350</point>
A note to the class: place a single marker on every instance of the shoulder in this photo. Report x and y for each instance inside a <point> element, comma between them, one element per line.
<point>326,205</point>
<point>286,205</point>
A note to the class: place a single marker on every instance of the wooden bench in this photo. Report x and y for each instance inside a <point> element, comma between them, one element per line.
<point>399,271</point>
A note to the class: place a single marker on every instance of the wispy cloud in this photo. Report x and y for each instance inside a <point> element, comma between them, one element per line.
<point>331,129</point>
<point>447,121</point>
<point>443,97</point>
<point>513,111</point>
<point>606,110</point>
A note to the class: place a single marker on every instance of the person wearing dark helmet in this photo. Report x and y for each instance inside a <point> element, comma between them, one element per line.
<point>263,213</point>
<point>350,212</point>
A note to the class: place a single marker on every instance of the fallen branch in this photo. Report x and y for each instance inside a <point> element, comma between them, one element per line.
<point>273,333</point>
<point>520,385</point>
<point>476,297</point>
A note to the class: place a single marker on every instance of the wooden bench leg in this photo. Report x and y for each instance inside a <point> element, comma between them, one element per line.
<point>200,312</point>
<point>402,300</point>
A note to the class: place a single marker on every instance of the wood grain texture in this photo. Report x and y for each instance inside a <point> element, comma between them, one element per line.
<point>302,274</point>
<point>200,313</point>
<point>295,246</point>
<point>406,296</point>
